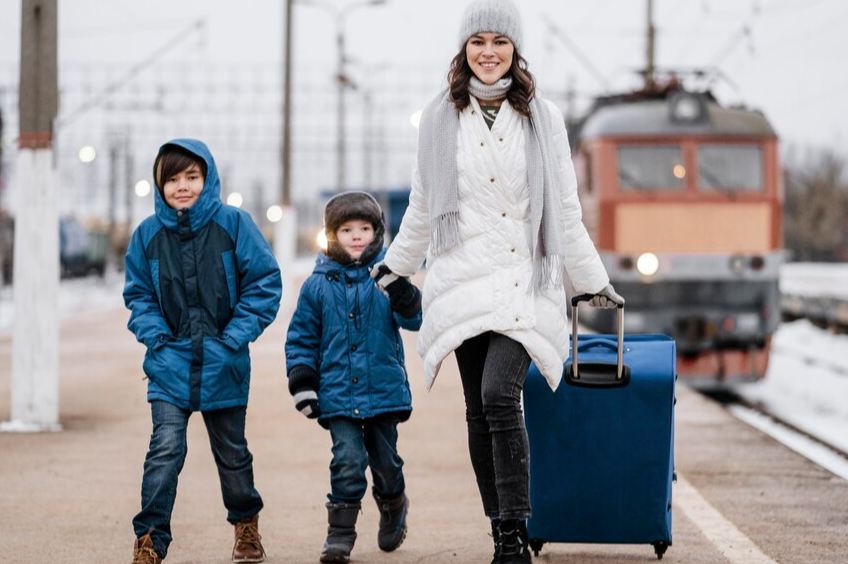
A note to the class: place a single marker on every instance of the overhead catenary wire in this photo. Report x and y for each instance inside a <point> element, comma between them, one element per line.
<point>195,27</point>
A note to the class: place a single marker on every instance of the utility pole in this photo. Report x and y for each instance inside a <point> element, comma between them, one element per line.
<point>342,81</point>
<point>649,68</point>
<point>35,334</point>
<point>285,230</point>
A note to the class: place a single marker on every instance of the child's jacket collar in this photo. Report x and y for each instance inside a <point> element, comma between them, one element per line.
<point>354,271</point>
<point>210,197</point>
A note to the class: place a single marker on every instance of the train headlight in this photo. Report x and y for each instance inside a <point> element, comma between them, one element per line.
<point>647,264</point>
<point>738,264</point>
<point>321,239</point>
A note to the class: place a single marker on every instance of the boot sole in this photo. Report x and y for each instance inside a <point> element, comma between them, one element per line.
<point>334,559</point>
<point>395,547</point>
<point>249,560</point>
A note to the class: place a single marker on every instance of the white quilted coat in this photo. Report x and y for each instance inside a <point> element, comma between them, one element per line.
<point>483,283</point>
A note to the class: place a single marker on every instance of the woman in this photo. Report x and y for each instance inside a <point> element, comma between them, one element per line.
<point>494,210</point>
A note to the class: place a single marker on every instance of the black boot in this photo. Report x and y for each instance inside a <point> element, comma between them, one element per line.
<point>514,542</point>
<point>496,536</point>
<point>392,521</point>
<point>341,534</point>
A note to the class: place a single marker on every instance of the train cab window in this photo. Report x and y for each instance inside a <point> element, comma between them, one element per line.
<point>730,167</point>
<point>651,167</point>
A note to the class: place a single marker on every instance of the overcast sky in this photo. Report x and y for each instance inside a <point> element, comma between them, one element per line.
<point>788,63</point>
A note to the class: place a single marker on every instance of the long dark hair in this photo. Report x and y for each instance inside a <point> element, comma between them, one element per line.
<point>523,84</point>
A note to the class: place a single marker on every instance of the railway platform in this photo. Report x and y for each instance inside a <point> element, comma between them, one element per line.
<point>69,497</point>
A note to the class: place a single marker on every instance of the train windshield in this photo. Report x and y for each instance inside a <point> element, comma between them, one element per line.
<point>730,167</point>
<point>651,167</point>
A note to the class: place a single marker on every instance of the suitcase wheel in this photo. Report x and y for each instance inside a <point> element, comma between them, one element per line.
<point>659,549</point>
<point>536,545</point>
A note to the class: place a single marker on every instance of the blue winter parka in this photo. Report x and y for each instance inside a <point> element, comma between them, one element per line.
<point>201,283</point>
<point>344,330</point>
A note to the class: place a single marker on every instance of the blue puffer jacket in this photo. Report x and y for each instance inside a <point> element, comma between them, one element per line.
<point>344,330</point>
<point>201,284</point>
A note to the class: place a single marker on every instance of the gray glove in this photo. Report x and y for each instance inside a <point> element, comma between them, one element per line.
<point>606,298</point>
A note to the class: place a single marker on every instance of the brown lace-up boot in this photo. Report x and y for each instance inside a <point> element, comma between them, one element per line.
<point>143,552</point>
<point>248,545</point>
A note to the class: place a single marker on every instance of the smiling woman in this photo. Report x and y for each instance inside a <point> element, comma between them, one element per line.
<point>492,205</point>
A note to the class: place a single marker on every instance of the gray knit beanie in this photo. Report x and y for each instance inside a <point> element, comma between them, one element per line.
<point>491,16</point>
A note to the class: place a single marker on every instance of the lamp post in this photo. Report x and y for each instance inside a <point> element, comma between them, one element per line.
<point>342,80</point>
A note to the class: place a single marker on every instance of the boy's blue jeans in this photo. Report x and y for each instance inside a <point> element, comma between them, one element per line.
<point>168,449</point>
<point>358,443</point>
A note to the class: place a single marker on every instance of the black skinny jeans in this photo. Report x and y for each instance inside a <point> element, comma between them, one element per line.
<point>493,368</point>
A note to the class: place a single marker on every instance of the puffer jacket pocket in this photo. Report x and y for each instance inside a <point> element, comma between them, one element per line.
<point>226,371</point>
<point>168,366</point>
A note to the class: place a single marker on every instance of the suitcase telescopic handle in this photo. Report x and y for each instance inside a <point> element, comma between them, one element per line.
<point>575,301</point>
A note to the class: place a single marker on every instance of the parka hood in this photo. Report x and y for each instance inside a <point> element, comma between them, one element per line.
<point>209,200</point>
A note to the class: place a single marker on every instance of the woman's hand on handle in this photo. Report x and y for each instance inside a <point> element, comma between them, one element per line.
<point>607,298</point>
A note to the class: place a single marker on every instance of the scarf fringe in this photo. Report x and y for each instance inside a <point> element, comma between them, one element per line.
<point>444,231</point>
<point>547,273</point>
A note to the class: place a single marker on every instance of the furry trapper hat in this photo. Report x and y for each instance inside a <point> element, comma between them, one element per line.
<point>345,207</point>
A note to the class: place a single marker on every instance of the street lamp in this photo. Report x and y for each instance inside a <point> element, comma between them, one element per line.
<point>87,154</point>
<point>142,188</point>
<point>342,79</point>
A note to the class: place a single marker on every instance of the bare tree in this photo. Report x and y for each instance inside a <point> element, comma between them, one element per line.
<point>816,208</point>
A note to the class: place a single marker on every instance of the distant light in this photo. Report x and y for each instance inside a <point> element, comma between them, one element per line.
<point>415,119</point>
<point>321,239</point>
<point>274,213</point>
<point>235,200</point>
<point>87,154</point>
<point>679,171</point>
<point>647,264</point>
<point>142,188</point>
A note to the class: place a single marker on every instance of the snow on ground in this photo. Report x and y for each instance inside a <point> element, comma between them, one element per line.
<point>78,296</point>
<point>807,381</point>
<point>811,279</point>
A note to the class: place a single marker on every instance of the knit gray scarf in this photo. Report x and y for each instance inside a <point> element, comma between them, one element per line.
<point>437,134</point>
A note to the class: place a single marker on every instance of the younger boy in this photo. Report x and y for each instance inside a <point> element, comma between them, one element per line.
<point>201,283</point>
<point>346,368</point>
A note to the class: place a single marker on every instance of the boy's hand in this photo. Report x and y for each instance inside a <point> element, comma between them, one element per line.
<point>306,402</point>
<point>404,297</point>
<point>383,276</point>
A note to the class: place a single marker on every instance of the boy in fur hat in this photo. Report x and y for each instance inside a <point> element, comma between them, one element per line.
<point>346,369</point>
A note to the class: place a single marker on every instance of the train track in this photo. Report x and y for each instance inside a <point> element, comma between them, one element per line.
<point>816,449</point>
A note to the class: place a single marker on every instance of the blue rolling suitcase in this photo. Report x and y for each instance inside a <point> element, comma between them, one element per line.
<point>602,445</point>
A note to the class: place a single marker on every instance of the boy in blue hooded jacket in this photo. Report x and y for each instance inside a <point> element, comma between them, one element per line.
<point>346,368</point>
<point>201,283</point>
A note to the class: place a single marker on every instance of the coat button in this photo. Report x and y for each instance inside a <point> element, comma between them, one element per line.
<point>516,320</point>
<point>179,214</point>
<point>503,214</point>
<point>482,144</point>
<point>353,347</point>
<point>356,412</point>
<point>356,380</point>
<point>516,284</point>
<point>350,315</point>
<point>491,180</point>
<point>500,139</point>
<point>512,250</point>
<point>473,112</point>
<point>349,285</point>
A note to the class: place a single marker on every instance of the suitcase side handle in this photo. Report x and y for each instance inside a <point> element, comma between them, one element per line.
<point>596,374</point>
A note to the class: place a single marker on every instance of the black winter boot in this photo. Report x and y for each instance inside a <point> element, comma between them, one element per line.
<point>514,542</point>
<point>496,536</point>
<point>341,534</point>
<point>392,521</point>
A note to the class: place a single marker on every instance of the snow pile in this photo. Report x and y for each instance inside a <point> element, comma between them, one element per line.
<point>807,381</point>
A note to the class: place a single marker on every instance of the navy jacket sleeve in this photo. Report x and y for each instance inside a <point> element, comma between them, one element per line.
<point>260,286</point>
<point>409,323</point>
<point>146,319</point>
<point>303,342</point>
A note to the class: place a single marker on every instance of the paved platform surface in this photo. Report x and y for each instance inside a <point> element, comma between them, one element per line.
<point>69,497</point>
